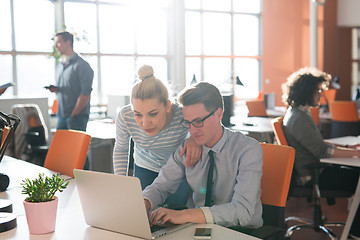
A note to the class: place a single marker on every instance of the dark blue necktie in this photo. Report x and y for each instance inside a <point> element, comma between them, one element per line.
<point>209,180</point>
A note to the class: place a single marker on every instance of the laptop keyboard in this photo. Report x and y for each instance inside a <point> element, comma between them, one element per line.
<point>155,228</point>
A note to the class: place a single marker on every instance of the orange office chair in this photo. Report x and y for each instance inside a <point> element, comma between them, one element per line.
<point>344,119</point>
<point>256,108</point>
<point>312,193</point>
<point>278,131</point>
<point>327,96</point>
<point>68,150</point>
<point>278,164</point>
<point>54,107</point>
<point>260,97</point>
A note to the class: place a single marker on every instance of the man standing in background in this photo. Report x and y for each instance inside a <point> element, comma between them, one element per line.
<point>74,78</point>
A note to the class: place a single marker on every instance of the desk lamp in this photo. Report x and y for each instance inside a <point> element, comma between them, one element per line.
<point>238,82</point>
<point>229,104</point>
<point>10,123</point>
<point>193,81</point>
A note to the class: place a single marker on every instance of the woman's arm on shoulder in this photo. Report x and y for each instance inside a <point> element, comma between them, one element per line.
<point>193,152</point>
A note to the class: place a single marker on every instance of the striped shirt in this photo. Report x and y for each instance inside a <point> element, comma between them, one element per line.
<point>150,152</point>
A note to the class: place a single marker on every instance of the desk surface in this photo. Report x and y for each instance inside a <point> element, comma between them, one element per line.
<point>276,112</point>
<point>353,162</point>
<point>70,221</point>
<point>347,140</point>
<point>102,130</point>
<point>252,124</point>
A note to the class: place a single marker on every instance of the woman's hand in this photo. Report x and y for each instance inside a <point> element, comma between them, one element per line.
<point>193,152</point>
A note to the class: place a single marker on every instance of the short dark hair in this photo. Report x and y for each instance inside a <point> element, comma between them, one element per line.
<point>204,93</point>
<point>300,87</point>
<point>66,37</point>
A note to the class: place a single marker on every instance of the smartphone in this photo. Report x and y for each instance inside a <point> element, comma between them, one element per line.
<point>202,233</point>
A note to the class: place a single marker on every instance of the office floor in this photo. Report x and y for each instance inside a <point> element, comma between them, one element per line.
<point>334,213</point>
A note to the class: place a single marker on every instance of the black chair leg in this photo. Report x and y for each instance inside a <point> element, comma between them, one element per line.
<point>324,228</point>
<point>318,221</point>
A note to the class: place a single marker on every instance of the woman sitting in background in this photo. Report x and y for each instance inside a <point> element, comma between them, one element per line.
<point>153,123</point>
<point>300,92</point>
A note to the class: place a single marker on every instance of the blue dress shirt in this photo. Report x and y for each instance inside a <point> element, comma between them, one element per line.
<point>237,181</point>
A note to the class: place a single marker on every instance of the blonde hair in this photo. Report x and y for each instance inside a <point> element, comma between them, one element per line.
<point>149,87</point>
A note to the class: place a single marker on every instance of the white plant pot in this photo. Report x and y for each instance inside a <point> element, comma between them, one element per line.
<point>41,217</point>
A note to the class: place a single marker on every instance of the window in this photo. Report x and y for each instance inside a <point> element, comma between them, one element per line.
<point>120,41</point>
<point>223,41</point>
<point>219,39</point>
<point>24,59</point>
<point>355,88</point>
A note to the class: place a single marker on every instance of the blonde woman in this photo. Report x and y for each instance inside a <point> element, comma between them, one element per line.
<point>153,122</point>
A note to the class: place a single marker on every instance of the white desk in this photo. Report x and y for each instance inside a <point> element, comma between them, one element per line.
<point>70,221</point>
<point>348,140</point>
<point>353,162</point>
<point>102,130</point>
<point>259,128</point>
<point>276,111</point>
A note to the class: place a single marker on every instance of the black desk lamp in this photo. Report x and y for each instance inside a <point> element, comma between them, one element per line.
<point>7,218</point>
<point>238,82</point>
<point>229,104</point>
<point>193,81</point>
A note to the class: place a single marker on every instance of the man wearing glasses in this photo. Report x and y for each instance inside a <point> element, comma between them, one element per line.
<point>225,181</point>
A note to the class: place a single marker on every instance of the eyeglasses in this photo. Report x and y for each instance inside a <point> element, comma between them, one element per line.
<point>198,123</point>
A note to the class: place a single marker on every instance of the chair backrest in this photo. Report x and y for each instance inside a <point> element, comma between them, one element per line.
<point>278,161</point>
<point>31,117</point>
<point>344,119</point>
<point>278,130</point>
<point>344,111</point>
<point>327,96</point>
<point>260,96</point>
<point>256,108</point>
<point>315,115</point>
<point>68,150</point>
<point>54,107</point>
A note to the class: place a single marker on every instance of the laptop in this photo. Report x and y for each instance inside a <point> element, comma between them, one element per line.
<point>116,203</point>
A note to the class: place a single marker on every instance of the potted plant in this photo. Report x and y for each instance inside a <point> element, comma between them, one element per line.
<point>41,203</point>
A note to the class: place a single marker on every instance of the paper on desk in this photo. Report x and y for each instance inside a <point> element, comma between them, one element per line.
<point>348,140</point>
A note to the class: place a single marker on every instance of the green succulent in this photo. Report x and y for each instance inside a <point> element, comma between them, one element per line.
<point>43,189</point>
